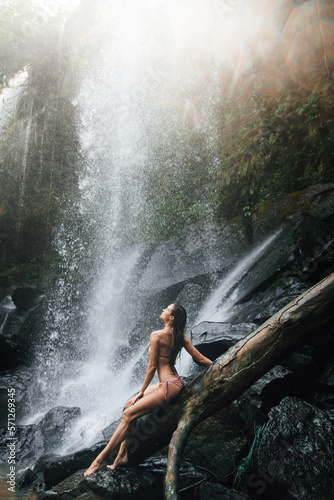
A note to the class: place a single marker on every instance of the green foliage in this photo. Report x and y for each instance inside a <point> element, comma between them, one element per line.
<point>275,145</point>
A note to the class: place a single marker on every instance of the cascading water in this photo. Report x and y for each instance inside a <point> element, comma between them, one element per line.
<point>219,305</point>
<point>135,96</point>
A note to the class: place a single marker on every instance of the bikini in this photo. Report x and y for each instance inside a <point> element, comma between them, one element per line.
<point>177,380</point>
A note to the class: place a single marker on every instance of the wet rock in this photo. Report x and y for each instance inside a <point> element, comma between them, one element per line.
<point>215,491</point>
<point>259,305</point>
<point>295,455</point>
<point>145,481</point>
<point>71,487</point>
<point>57,469</point>
<point>213,339</point>
<point>317,200</point>
<point>26,298</point>
<point>197,250</point>
<point>218,442</point>
<point>9,353</point>
<point>271,388</point>
<point>27,334</point>
<point>110,429</point>
<point>190,297</point>
<point>44,460</point>
<point>124,484</point>
<point>189,474</point>
<point>55,424</point>
<point>28,477</point>
<point>13,322</point>
<point>28,445</point>
<point>327,375</point>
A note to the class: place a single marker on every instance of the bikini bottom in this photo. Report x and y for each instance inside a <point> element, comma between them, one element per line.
<point>176,381</point>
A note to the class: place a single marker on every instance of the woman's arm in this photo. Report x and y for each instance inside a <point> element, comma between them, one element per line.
<point>152,365</point>
<point>194,353</point>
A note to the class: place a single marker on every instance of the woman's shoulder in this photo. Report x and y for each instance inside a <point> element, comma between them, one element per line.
<point>157,333</point>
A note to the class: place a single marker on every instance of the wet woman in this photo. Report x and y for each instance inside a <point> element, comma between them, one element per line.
<point>165,345</point>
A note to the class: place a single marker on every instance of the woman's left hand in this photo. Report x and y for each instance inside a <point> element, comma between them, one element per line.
<point>137,397</point>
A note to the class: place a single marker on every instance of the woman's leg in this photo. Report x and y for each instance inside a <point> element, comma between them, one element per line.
<point>122,456</point>
<point>152,398</point>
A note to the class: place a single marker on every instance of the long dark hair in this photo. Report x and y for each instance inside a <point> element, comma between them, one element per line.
<point>179,323</point>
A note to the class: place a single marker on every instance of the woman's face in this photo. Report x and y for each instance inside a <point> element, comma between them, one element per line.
<point>166,314</point>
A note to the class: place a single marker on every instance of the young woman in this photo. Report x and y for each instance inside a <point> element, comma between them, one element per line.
<point>165,345</point>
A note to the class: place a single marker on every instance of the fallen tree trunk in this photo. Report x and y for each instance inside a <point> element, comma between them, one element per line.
<point>232,373</point>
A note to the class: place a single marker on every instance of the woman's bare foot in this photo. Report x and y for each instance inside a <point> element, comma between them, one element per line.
<point>118,462</point>
<point>96,465</point>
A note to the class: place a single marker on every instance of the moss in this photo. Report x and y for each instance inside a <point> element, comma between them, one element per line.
<point>291,208</point>
<point>261,208</point>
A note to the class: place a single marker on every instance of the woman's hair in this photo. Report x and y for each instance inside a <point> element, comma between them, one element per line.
<point>179,323</point>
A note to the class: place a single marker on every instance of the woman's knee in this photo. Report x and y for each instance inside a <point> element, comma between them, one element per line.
<point>127,415</point>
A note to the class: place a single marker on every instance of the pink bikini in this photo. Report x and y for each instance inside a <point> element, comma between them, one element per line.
<point>177,380</point>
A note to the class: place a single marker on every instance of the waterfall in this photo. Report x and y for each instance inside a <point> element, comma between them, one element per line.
<point>219,305</point>
<point>134,96</point>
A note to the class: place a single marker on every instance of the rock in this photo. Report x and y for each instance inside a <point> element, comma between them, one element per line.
<point>190,297</point>
<point>295,454</point>
<point>317,200</point>
<point>327,375</point>
<point>215,491</point>
<point>27,477</point>
<point>259,305</point>
<point>27,333</point>
<point>197,250</point>
<point>270,389</point>
<point>44,460</point>
<point>26,298</point>
<point>9,353</point>
<point>28,445</point>
<point>213,339</point>
<point>218,442</point>
<point>13,323</point>
<point>127,483</point>
<point>145,481</point>
<point>72,486</point>
<point>57,469</point>
<point>110,429</point>
<point>55,424</point>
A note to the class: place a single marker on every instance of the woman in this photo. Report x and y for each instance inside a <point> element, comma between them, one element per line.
<point>165,345</point>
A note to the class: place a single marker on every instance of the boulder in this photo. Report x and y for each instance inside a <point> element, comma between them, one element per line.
<point>295,457</point>
<point>125,483</point>
<point>270,389</point>
<point>317,200</point>
<point>200,249</point>
<point>55,424</point>
<point>213,339</point>
<point>215,491</point>
<point>28,445</point>
<point>56,468</point>
<point>26,478</point>
<point>261,304</point>
<point>9,353</point>
<point>26,298</point>
<point>218,442</point>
